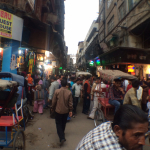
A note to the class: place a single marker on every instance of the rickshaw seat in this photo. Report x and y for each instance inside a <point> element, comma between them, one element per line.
<point>7,121</point>
<point>105,104</point>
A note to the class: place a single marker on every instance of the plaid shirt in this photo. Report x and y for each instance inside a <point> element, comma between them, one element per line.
<point>100,138</point>
<point>115,94</point>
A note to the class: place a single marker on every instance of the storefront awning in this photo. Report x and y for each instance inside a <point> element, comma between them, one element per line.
<point>125,55</point>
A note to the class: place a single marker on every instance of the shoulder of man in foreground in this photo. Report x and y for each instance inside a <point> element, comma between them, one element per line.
<point>101,137</point>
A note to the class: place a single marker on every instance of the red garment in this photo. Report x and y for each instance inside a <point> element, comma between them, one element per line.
<point>149,94</point>
<point>129,87</point>
<point>89,87</point>
<point>30,80</point>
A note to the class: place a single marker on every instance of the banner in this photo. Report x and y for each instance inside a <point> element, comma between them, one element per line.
<point>11,26</point>
<point>6,24</point>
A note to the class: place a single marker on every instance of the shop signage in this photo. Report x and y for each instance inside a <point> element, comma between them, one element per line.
<point>91,63</point>
<point>6,22</point>
<point>31,3</point>
<point>10,26</point>
<point>98,62</point>
<point>131,69</point>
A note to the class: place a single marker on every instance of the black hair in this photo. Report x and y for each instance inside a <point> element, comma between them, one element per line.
<point>72,78</point>
<point>98,78</point>
<point>53,78</point>
<point>127,115</point>
<point>136,83</point>
<point>145,82</point>
<point>88,77</point>
<point>117,80</point>
<point>64,78</point>
<point>63,83</point>
<point>69,85</point>
<point>78,80</point>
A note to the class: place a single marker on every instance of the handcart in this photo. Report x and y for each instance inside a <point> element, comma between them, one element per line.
<point>11,133</point>
<point>108,76</point>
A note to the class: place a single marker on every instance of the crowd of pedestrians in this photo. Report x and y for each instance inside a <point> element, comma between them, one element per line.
<point>61,95</point>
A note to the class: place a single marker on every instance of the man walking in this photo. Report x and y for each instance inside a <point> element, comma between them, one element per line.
<point>97,91</point>
<point>62,104</point>
<point>87,91</point>
<point>76,94</point>
<point>54,86</point>
<point>46,88</point>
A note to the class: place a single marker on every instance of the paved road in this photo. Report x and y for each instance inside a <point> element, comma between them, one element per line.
<point>41,132</point>
<point>46,137</point>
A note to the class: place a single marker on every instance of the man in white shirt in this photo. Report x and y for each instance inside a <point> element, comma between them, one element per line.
<point>76,88</point>
<point>96,89</point>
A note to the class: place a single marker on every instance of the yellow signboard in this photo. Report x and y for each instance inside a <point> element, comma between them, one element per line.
<point>6,24</point>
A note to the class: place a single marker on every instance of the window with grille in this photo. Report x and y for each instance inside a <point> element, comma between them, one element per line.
<point>132,3</point>
<point>109,2</point>
<point>102,16</point>
<point>100,2</point>
<point>111,24</point>
<point>102,35</point>
<point>122,11</point>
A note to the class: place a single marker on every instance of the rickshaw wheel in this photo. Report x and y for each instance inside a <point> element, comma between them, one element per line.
<point>98,117</point>
<point>19,141</point>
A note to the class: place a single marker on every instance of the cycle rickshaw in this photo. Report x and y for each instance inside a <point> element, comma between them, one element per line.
<point>11,114</point>
<point>108,77</point>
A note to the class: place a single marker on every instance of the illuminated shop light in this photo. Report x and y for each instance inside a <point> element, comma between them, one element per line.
<point>98,62</point>
<point>19,51</point>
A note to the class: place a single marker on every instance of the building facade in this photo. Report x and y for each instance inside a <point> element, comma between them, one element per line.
<point>37,27</point>
<point>124,35</point>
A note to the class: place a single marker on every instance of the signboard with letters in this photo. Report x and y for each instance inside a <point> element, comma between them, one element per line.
<point>10,26</point>
<point>128,55</point>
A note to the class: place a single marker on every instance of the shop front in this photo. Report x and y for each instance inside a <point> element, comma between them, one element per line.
<point>35,61</point>
<point>132,60</point>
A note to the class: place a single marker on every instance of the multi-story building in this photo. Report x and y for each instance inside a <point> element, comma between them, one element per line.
<point>89,49</point>
<point>35,26</point>
<point>123,35</point>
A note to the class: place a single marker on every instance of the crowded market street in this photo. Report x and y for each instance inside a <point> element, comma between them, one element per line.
<point>75,74</point>
<point>41,132</point>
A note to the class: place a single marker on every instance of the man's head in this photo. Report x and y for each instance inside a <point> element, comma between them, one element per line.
<point>97,80</point>
<point>136,84</point>
<point>117,83</point>
<point>64,83</point>
<point>130,125</point>
<point>130,82</point>
<point>61,77</point>
<point>53,79</point>
<point>88,77</point>
<point>78,81</point>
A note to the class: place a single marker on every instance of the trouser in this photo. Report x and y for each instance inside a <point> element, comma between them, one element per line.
<point>75,103</point>
<point>29,98</point>
<point>86,104</point>
<point>61,120</point>
<point>148,106</point>
<point>95,106</point>
<point>116,103</point>
<point>45,98</point>
<point>144,107</point>
<point>38,107</point>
